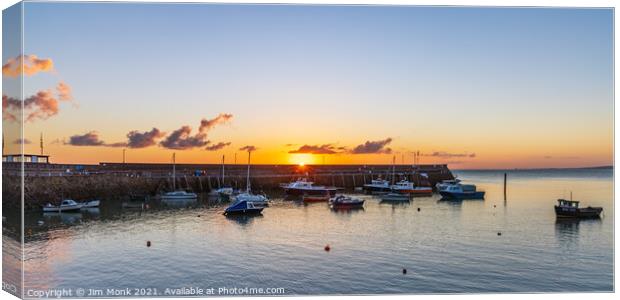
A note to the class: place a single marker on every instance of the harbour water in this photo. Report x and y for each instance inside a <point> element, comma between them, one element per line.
<point>471,246</point>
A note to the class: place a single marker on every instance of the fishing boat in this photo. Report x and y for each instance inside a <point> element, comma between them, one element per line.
<point>342,201</point>
<point>247,203</point>
<point>462,191</point>
<point>395,197</point>
<point>304,187</point>
<point>65,206</point>
<point>444,184</point>
<point>571,209</point>
<point>316,198</point>
<point>406,187</point>
<point>377,185</point>
<point>177,194</point>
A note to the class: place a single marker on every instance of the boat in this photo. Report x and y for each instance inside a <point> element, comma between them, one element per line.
<point>65,206</point>
<point>247,203</point>
<point>444,184</point>
<point>395,197</point>
<point>571,209</point>
<point>224,192</point>
<point>342,201</point>
<point>462,191</point>
<point>304,187</point>
<point>377,185</point>
<point>316,198</point>
<point>406,187</point>
<point>177,194</point>
<point>91,204</point>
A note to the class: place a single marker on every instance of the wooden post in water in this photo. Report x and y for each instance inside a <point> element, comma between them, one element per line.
<point>505,179</point>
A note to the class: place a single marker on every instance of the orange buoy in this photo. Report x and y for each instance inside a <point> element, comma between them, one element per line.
<point>327,248</point>
<point>148,243</point>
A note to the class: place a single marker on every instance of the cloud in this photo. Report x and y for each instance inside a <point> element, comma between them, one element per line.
<point>138,139</point>
<point>64,92</point>
<point>217,146</point>
<point>248,148</point>
<point>87,139</point>
<point>41,105</point>
<point>31,65</point>
<point>443,154</point>
<point>181,139</point>
<point>316,149</point>
<point>22,142</point>
<point>373,147</point>
<point>206,125</point>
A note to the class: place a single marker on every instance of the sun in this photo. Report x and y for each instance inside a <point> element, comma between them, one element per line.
<point>301,159</point>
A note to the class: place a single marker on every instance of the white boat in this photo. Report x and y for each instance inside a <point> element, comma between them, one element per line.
<point>304,187</point>
<point>90,204</point>
<point>65,205</point>
<point>377,185</point>
<point>177,194</point>
<point>443,185</point>
<point>225,192</point>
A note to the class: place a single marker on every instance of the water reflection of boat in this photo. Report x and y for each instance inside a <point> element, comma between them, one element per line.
<point>395,197</point>
<point>178,202</point>
<point>243,219</point>
<point>342,201</point>
<point>316,198</point>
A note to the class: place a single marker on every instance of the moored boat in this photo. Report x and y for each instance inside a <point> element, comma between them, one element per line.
<point>377,185</point>
<point>406,187</point>
<point>444,184</point>
<point>247,203</point>
<point>177,194</point>
<point>395,197</point>
<point>571,209</point>
<point>91,204</point>
<point>462,191</point>
<point>65,206</point>
<point>304,187</point>
<point>342,201</point>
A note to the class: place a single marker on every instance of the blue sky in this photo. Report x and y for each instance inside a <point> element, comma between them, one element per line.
<point>457,79</point>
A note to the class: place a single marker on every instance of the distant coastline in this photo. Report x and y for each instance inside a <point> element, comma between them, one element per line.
<point>542,169</point>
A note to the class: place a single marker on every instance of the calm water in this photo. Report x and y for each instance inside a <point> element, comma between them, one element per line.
<point>446,247</point>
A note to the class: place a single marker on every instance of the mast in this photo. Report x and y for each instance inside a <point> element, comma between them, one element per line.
<point>393,168</point>
<point>41,143</point>
<point>248,179</point>
<point>223,174</point>
<point>174,172</point>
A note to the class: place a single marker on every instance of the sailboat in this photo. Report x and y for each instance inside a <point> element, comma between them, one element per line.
<point>247,203</point>
<point>177,194</point>
<point>225,191</point>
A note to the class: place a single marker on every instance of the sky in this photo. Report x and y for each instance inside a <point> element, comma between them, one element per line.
<point>473,87</point>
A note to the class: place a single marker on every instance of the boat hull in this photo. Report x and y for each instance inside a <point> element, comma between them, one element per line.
<point>462,195</point>
<point>578,213</point>
<point>245,207</point>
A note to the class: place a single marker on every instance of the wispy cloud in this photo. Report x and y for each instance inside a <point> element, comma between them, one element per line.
<point>248,148</point>
<point>373,147</point>
<point>31,65</point>
<point>443,154</point>
<point>40,106</point>
<point>138,139</point>
<point>22,142</point>
<point>206,125</point>
<point>182,139</point>
<point>218,146</point>
<point>316,149</point>
<point>64,92</point>
<point>88,139</point>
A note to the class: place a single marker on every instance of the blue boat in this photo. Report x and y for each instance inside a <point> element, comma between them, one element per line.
<point>461,191</point>
<point>247,204</point>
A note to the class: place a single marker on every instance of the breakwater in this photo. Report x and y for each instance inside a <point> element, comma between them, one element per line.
<point>45,183</point>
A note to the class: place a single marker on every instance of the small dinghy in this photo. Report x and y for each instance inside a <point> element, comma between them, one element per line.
<point>341,201</point>
<point>65,206</point>
<point>571,209</point>
<point>395,197</point>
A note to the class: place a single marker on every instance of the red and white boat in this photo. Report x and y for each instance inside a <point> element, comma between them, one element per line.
<point>304,187</point>
<point>406,187</point>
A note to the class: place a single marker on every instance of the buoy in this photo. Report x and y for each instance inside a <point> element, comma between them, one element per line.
<point>494,205</point>
<point>418,209</point>
<point>327,248</point>
<point>148,243</point>
<point>199,216</point>
<point>499,233</point>
<point>404,271</point>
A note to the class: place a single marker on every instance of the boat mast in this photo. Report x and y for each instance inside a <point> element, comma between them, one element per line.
<point>174,172</point>
<point>223,171</point>
<point>393,168</point>
<point>248,179</point>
